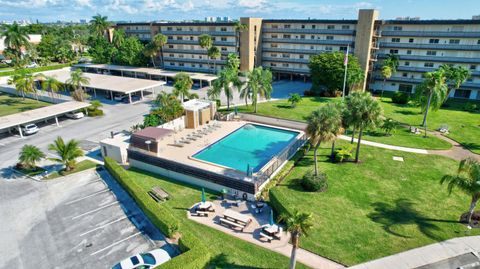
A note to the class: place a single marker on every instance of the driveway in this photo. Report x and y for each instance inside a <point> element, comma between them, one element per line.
<point>85,220</point>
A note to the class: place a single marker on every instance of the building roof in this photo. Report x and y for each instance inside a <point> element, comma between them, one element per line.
<point>308,21</point>
<point>123,85</point>
<point>195,104</point>
<point>121,139</point>
<point>153,133</point>
<point>426,22</point>
<point>40,114</point>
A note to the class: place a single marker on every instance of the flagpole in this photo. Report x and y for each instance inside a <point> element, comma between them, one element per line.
<point>345,62</point>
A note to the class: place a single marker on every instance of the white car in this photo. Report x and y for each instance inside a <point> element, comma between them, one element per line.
<point>29,129</point>
<point>32,65</point>
<point>119,97</point>
<point>147,260</point>
<point>75,115</point>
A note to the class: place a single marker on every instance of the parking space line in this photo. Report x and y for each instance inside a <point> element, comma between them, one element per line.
<point>103,226</point>
<point>88,196</point>
<point>114,244</point>
<point>95,210</point>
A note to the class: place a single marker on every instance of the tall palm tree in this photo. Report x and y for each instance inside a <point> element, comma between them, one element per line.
<point>182,85</point>
<point>455,75</point>
<point>30,155</point>
<point>467,180</point>
<point>206,42</point>
<point>150,51</point>
<point>323,125</point>
<point>364,112</point>
<point>389,67</point>
<point>51,85</point>
<point>259,82</point>
<point>67,152</point>
<point>160,40</point>
<point>431,93</point>
<point>15,38</point>
<point>24,81</point>
<point>77,80</point>
<point>298,224</point>
<point>214,54</point>
<point>118,38</point>
<point>228,79</point>
<point>99,25</point>
<point>239,28</point>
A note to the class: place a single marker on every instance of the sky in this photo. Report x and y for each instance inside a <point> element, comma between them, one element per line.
<point>150,10</point>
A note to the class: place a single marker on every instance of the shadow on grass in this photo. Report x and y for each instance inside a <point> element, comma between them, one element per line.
<point>285,106</point>
<point>471,146</point>
<point>407,112</point>
<point>402,212</point>
<point>221,261</point>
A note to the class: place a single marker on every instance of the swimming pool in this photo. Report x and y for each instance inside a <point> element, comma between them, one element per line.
<point>249,146</point>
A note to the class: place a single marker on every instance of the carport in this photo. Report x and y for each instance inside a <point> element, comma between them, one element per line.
<point>35,115</point>
<point>122,85</point>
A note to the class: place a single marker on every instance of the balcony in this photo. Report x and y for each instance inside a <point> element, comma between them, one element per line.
<point>298,51</point>
<point>206,69</point>
<point>305,71</point>
<point>430,34</point>
<point>442,59</point>
<point>187,51</point>
<point>309,41</point>
<point>285,60</point>
<point>212,33</point>
<point>425,69</point>
<point>468,85</point>
<point>133,31</point>
<point>309,31</point>
<point>195,42</point>
<point>428,46</point>
<point>192,60</point>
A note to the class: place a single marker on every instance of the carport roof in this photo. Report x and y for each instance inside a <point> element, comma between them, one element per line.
<point>40,113</point>
<point>149,71</point>
<point>111,83</point>
<point>153,133</point>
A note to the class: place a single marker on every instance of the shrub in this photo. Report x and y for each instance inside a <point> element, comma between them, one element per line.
<point>294,99</point>
<point>95,113</point>
<point>471,107</point>
<point>194,254</point>
<point>218,103</point>
<point>389,125</point>
<point>344,153</point>
<point>400,98</point>
<point>309,93</point>
<point>37,69</point>
<point>313,183</point>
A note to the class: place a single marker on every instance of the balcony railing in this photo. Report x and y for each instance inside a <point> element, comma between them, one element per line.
<point>443,59</point>
<point>195,42</point>
<point>298,51</point>
<point>205,69</point>
<point>309,41</point>
<point>425,69</point>
<point>430,34</point>
<point>309,31</point>
<point>212,33</point>
<point>285,60</point>
<point>288,69</point>
<point>429,46</point>
<point>148,31</point>
<point>192,60</point>
<point>470,85</point>
<point>187,51</point>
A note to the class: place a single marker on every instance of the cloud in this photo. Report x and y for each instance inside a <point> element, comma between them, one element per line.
<point>121,6</point>
<point>181,6</point>
<point>84,3</point>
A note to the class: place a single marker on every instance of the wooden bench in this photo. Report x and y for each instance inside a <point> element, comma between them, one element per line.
<point>269,238</point>
<point>201,213</point>
<point>158,194</point>
<point>232,223</point>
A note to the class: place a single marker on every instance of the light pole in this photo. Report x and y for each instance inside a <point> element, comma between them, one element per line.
<point>148,142</point>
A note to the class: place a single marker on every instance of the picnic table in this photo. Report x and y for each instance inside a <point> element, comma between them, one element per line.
<point>271,231</point>
<point>206,206</point>
<point>237,217</point>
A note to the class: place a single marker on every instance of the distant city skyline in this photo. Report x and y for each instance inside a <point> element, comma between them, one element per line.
<point>149,10</point>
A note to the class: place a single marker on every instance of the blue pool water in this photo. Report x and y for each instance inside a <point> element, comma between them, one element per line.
<point>249,146</point>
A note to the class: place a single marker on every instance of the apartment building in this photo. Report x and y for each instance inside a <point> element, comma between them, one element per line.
<point>285,46</point>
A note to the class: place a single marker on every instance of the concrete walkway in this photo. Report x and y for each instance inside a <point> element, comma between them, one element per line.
<point>385,146</point>
<point>426,255</point>
<point>457,152</point>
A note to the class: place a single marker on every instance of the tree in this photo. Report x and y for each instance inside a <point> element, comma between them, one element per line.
<point>294,99</point>
<point>150,51</point>
<point>118,38</point>
<point>95,104</point>
<point>67,152</point>
<point>24,81</point>
<point>298,224</point>
<point>214,54</point>
<point>182,85</point>
<point>455,76</point>
<point>327,72</point>
<point>259,82</point>
<point>160,40</point>
<point>467,180</point>
<point>51,85</point>
<point>99,25</point>
<point>168,107</point>
<point>323,125</point>
<point>363,112</point>
<point>205,41</point>
<point>239,28</point>
<point>101,50</point>
<point>389,67</point>
<point>15,37</point>
<point>77,80</point>
<point>130,52</point>
<point>389,125</point>
<point>30,155</point>
<point>431,93</point>
<point>228,79</point>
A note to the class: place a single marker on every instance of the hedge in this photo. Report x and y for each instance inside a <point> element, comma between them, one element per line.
<point>160,215</point>
<point>95,113</point>
<point>194,255</point>
<point>276,198</point>
<point>37,69</point>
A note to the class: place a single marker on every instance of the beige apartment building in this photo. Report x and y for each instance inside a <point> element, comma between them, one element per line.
<point>285,46</point>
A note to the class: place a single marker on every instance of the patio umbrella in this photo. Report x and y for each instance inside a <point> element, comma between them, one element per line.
<point>236,110</point>
<point>203,195</point>
<point>271,217</point>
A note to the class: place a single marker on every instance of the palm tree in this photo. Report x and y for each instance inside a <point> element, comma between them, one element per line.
<point>160,41</point>
<point>99,25</point>
<point>238,27</point>
<point>228,79</point>
<point>298,224</point>
<point>206,42</point>
<point>182,85</point>
<point>455,75</point>
<point>24,82</point>
<point>51,85</point>
<point>29,155</point>
<point>77,80</point>
<point>431,93</point>
<point>324,124</point>
<point>467,180</point>
<point>259,82</point>
<point>214,54</point>
<point>150,51</point>
<point>118,38</point>
<point>67,152</point>
<point>389,68</point>
<point>15,38</point>
<point>363,112</point>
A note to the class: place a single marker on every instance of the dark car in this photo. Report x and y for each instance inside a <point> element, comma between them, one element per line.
<point>135,98</point>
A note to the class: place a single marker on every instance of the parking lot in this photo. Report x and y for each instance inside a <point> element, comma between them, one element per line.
<point>81,221</point>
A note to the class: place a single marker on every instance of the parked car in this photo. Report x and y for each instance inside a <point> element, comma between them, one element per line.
<point>32,65</point>
<point>6,61</point>
<point>135,98</point>
<point>147,260</point>
<point>119,97</point>
<point>28,129</point>
<point>74,115</point>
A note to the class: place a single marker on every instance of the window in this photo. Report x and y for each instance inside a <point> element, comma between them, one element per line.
<point>434,41</point>
<point>393,51</point>
<point>345,27</point>
<point>274,45</point>
<point>172,63</point>
<point>431,52</point>
<point>285,65</point>
<point>170,46</point>
<point>224,49</point>
<point>312,47</point>
<point>171,55</point>
<point>397,28</point>
<point>273,64</point>
<point>193,56</point>
<point>284,55</point>
<point>462,94</point>
<point>179,37</point>
<point>473,67</point>
<point>273,55</point>
<point>303,26</point>
<point>404,75</point>
<point>405,88</point>
<point>454,41</point>
<point>330,27</point>
<point>286,26</point>
<point>274,26</point>
<point>191,38</point>
<point>396,40</point>
<point>407,64</point>
<point>300,56</point>
<point>181,55</point>
<point>328,48</point>
<point>193,65</point>
<point>329,37</point>
<point>302,36</point>
<point>179,28</point>
<point>313,27</point>
<point>223,39</point>
<point>342,48</point>
<point>428,64</point>
<point>286,36</point>
<point>223,29</point>
<point>274,36</point>
<point>411,40</point>
<point>169,28</point>
<point>478,42</point>
<point>181,64</point>
<point>312,37</point>
<point>170,37</point>
<point>409,52</point>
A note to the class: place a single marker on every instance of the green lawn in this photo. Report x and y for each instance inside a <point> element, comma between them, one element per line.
<point>10,104</point>
<point>228,251</point>
<point>81,166</point>
<point>379,207</point>
<point>282,109</point>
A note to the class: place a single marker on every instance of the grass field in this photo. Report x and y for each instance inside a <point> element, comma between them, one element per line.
<point>10,104</point>
<point>282,109</point>
<point>228,251</point>
<point>81,166</point>
<point>379,207</point>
